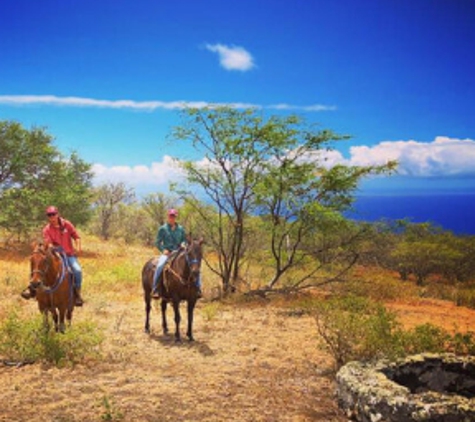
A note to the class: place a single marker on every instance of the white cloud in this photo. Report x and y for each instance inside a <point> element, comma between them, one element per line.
<point>52,100</point>
<point>157,174</point>
<point>442,157</point>
<point>232,58</point>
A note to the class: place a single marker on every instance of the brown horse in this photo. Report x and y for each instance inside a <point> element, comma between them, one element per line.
<point>179,284</point>
<point>53,283</point>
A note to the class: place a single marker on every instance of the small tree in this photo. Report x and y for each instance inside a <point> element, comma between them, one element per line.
<point>303,200</point>
<point>233,144</point>
<point>273,167</point>
<point>108,197</point>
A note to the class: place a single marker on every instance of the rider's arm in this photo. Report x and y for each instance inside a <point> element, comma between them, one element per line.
<point>160,241</point>
<point>78,244</point>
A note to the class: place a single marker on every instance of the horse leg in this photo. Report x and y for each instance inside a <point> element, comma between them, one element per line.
<point>69,315</point>
<point>45,320</point>
<point>176,309</point>
<point>55,319</point>
<point>148,307</point>
<point>189,332</point>
<point>164,316</point>
<point>62,314</point>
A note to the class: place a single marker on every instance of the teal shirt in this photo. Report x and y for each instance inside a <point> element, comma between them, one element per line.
<point>170,239</point>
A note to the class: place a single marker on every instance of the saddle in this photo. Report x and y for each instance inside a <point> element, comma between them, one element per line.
<point>69,273</point>
<point>162,288</point>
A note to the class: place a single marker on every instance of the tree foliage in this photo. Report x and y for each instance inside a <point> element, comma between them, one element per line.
<point>273,167</point>
<point>107,200</point>
<point>34,174</point>
<point>420,250</point>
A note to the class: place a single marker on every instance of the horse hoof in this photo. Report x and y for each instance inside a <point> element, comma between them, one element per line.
<point>146,331</point>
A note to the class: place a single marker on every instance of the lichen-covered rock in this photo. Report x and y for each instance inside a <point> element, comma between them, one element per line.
<point>426,387</point>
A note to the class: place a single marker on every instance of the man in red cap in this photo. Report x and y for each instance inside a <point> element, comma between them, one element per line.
<point>60,232</point>
<point>170,237</point>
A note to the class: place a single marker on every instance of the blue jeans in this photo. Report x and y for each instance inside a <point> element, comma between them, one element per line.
<point>74,265</point>
<point>160,264</point>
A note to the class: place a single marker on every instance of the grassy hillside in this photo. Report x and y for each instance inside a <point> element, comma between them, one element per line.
<point>251,361</point>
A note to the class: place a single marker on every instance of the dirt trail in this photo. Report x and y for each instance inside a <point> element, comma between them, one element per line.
<point>247,364</point>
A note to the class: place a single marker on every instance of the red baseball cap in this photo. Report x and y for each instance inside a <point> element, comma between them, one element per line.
<point>173,211</point>
<point>51,210</point>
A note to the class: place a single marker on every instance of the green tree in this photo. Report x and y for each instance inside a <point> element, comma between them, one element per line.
<point>423,250</point>
<point>272,167</point>
<point>304,198</point>
<point>34,174</point>
<point>108,198</point>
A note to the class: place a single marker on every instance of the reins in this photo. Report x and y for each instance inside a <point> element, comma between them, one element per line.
<point>59,279</point>
<point>189,262</point>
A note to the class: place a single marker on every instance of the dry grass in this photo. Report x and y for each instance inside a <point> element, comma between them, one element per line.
<point>250,362</point>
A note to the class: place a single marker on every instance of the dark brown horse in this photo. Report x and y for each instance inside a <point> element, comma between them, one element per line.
<point>179,284</point>
<point>53,284</point>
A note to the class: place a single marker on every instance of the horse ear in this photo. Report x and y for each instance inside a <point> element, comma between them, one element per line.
<point>189,238</point>
<point>202,240</point>
<point>37,244</point>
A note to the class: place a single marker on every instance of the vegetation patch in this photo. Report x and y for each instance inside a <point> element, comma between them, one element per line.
<point>355,328</point>
<point>30,340</point>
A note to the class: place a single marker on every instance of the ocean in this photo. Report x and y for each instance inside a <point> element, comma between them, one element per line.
<point>454,212</point>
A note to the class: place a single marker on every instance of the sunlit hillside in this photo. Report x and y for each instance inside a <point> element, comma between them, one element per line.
<point>257,360</point>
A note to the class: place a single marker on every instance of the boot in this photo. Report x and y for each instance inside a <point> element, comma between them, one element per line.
<point>77,294</point>
<point>157,292</point>
<point>198,292</point>
<point>28,293</point>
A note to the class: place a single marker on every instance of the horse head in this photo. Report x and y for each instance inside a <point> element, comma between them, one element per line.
<point>194,255</point>
<point>39,264</point>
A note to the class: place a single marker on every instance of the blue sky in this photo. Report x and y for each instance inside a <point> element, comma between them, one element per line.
<point>107,78</point>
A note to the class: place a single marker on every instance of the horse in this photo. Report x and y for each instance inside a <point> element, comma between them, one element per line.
<point>179,284</point>
<point>53,283</point>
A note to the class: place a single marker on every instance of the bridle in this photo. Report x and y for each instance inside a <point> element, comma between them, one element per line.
<point>37,270</point>
<point>190,262</point>
<point>43,272</point>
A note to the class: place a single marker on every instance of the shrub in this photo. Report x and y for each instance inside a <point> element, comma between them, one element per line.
<point>465,297</point>
<point>30,340</point>
<point>356,328</point>
<point>210,311</point>
<point>17,342</point>
<point>379,287</point>
<point>426,338</point>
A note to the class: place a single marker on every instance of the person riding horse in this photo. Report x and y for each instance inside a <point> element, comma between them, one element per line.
<point>60,232</point>
<point>170,238</point>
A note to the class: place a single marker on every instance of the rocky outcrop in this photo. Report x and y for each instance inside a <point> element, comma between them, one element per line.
<point>427,387</point>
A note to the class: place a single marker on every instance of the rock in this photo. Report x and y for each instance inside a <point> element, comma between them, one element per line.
<point>427,387</point>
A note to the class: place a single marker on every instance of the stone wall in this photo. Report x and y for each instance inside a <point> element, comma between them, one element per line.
<point>438,388</point>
